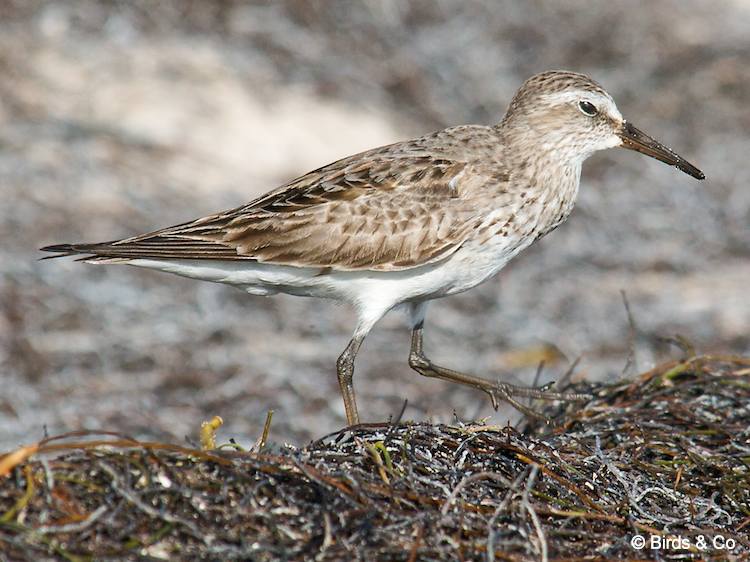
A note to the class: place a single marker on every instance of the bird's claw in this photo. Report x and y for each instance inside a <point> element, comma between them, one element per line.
<point>505,392</point>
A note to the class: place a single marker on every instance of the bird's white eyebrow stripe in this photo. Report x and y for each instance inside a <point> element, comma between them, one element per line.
<point>574,96</point>
<point>600,101</point>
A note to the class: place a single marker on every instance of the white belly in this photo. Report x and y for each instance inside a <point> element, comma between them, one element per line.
<point>462,271</point>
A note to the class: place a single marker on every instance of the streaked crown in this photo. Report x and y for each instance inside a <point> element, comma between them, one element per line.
<point>565,111</point>
<point>567,116</point>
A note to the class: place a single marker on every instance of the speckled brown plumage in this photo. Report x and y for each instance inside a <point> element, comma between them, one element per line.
<point>386,209</point>
<point>408,222</point>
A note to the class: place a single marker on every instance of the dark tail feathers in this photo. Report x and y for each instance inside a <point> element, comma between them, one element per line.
<point>63,250</point>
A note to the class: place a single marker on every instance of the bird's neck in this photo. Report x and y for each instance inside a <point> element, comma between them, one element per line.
<point>544,159</point>
<point>556,182</point>
<point>547,143</point>
<point>547,177</point>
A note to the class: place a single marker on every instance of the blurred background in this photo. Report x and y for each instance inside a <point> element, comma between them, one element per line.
<point>120,117</point>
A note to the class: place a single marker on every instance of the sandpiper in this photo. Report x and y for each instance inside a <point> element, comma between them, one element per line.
<point>406,223</point>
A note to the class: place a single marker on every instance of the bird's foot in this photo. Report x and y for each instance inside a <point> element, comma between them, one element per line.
<point>506,392</point>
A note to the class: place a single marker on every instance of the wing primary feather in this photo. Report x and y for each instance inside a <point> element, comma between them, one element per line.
<point>391,208</point>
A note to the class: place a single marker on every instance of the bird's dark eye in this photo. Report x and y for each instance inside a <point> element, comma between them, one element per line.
<point>588,108</point>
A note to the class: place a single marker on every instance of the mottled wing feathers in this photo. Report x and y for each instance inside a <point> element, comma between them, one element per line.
<point>388,209</point>
<point>381,214</point>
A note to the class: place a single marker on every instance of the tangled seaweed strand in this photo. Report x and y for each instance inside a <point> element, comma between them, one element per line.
<point>666,454</point>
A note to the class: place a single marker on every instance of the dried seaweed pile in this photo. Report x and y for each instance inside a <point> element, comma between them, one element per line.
<point>664,455</point>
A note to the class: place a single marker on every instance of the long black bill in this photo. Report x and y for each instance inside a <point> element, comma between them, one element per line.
<point>637,140</point>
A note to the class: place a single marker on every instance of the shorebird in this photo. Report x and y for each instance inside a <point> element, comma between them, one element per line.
<point>406,223</point>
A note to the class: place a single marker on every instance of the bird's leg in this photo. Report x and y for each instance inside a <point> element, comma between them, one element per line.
<point>345,370</point>
<point>496,390</point>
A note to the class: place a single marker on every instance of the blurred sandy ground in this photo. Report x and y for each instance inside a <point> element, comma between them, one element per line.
<point>119,117</point>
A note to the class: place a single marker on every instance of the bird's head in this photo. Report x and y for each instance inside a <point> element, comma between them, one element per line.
<point>572,115</point>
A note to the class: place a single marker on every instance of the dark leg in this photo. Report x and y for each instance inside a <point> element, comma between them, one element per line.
<point>496,390</point>
<point>345,370</point>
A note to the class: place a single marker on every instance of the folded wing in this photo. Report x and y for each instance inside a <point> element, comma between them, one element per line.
<point>381,210</point>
